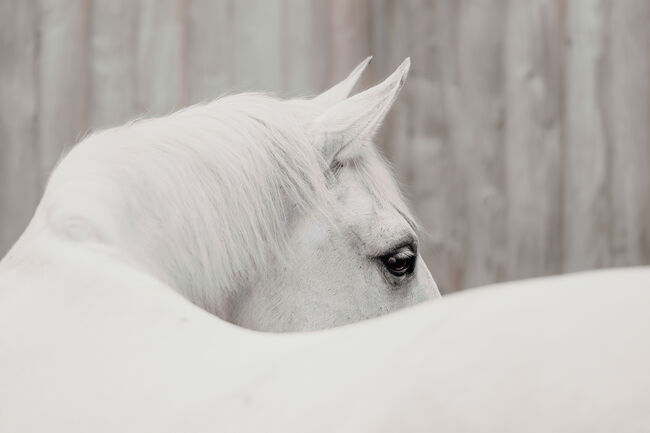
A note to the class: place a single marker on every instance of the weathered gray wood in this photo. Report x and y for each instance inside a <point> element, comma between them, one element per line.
<point>320,17</point>
<point>208,48</point>
<point>586,213</point>
<point>391,20</point>
<point>533,139</point>
<point>417,136</point>
<point>439,199</point>
<point>296,36</point>
<point>255,43</point>
<point>321,42</point>
<point>626,119</point>
<point>349,38</point>
<point>159,57</point>
<point>479,128</point>
<point>19,94</point>
<point>522,138</point>
<point>63,76</point>
<point>113,62</point>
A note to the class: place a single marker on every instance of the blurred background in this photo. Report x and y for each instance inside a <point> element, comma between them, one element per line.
<point>522,137</point>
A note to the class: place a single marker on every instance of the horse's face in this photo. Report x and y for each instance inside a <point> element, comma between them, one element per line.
<point>359,261</point>
<point>363,264</point>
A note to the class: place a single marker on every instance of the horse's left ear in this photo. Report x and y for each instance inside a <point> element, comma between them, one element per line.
<point>342,90</point>
<point>342,130</point>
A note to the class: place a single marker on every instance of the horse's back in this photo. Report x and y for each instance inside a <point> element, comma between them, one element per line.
<point>565,353</point>
<point>118,351</point>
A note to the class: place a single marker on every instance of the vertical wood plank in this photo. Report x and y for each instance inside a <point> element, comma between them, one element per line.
<point>19,94</point>
<point>208,50</point>
<point>586,213</point>
<point>479,131</point>
<point>439,167</point>
<point>159,57</point>
<point>533,139</point>
<point>63,77</point>
<point>393,19</point>
<point>321,17</point>
<point>522,137</point>
<point>417,135</point>
<point>423,154</point>
<point>626,114</point>
<point>113,62</point>
<point>302,47</point>
<point>256,45</point>
<point>350,38</point>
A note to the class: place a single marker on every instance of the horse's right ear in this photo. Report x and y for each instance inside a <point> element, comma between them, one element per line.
<point>343,129</point>
<point>342,90</point>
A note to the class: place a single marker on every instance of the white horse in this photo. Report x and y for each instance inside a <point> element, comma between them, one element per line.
<point>272,214</point>
<point>94,338</point>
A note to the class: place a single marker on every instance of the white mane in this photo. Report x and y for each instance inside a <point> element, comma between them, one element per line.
<point>204,195</point>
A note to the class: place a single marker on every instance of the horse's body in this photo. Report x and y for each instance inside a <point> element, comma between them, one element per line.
<point>97,333</point>
<point>566,354</point>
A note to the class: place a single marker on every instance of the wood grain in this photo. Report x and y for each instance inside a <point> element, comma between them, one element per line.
<point>626,118</point>
<point>64,78</point>
<point>159,58</point>
<point>532,139</point>
<point>479,130</point>
<point>19,110</point>
<point>522,138</point>
<point>586,212</point>
<point>113,62</point>
<point>208,49</point>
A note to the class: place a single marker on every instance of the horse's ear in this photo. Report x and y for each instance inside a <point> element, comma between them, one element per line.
<point>342,130</point>
<point>342,90</point>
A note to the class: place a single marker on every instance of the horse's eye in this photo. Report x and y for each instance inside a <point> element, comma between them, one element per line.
<point>400,262</point>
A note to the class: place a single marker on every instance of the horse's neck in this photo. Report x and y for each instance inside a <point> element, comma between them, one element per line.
<point>142,213</point>
<point>92,299</point>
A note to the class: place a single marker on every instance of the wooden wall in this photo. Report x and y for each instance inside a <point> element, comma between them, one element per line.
<point>522,137</point>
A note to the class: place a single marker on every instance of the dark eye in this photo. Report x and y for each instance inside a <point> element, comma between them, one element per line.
<point>400,262</point>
